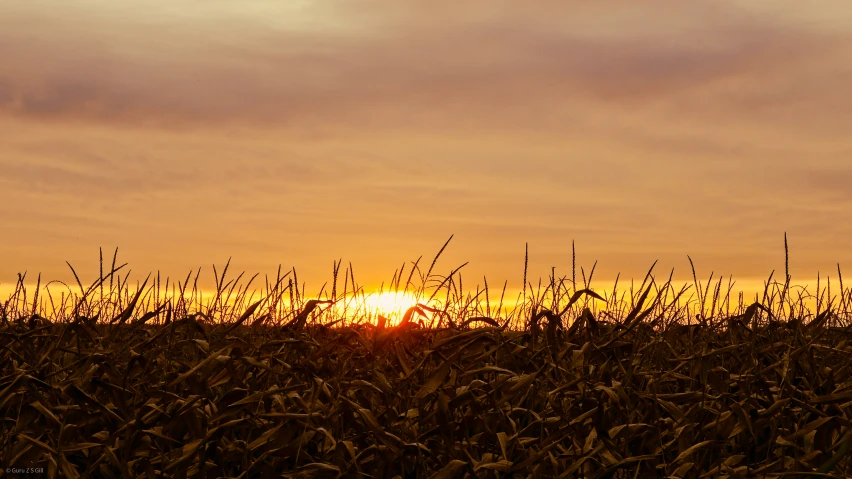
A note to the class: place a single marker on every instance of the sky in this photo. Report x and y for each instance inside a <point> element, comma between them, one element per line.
<point>187,132</point>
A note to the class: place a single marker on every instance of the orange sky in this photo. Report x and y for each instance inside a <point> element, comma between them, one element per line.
<point>186,132</point>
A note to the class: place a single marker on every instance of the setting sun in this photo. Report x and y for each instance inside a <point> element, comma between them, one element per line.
<point>391,305</point>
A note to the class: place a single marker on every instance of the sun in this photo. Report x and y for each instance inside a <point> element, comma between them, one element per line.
<point>391,305</point>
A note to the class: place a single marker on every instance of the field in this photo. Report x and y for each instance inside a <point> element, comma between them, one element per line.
<point>121,381</point>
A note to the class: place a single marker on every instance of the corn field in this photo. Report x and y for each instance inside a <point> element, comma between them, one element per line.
<point>118,381</point>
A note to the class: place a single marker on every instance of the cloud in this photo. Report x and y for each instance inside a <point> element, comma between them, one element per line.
<point>551,66</point>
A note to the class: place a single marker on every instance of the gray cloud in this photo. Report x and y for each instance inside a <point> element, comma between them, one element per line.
<point>479,70</point>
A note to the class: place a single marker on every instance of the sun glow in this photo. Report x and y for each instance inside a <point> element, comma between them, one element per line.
<point>391,305</point>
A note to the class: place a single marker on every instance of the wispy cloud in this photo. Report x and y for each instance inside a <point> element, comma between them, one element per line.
<point>550,65</point>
